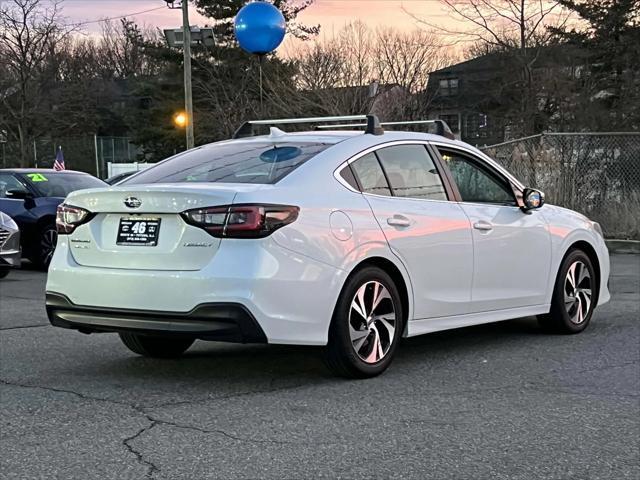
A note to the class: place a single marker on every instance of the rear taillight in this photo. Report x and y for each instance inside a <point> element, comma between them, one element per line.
<point>241,221</point>
<point>69,217</point>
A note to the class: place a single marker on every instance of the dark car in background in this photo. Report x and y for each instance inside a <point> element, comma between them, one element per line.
<point>31,196</point>
<point>9,244</point>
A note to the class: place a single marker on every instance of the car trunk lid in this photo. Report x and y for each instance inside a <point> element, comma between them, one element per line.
<point>140,227</point>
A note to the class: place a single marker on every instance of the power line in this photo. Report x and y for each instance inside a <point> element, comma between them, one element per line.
<point>132,14</point>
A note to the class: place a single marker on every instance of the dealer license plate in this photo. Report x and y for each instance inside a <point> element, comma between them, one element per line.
<point>138,231</point>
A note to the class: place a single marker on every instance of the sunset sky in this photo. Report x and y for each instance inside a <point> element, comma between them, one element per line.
<point>330,14</point>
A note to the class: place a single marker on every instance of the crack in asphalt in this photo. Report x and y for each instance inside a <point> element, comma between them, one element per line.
<point>229,396</point>
<point>127,443</point>
<point>151,467</point>
<point>24,326</point>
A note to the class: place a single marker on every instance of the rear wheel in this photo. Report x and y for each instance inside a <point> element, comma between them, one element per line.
<point>366,325</point>
<point>4,272</point>
<point>574,296</point>
<point>157,347</point>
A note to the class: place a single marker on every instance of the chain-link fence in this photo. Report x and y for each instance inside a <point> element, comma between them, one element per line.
<point>597,174</point>
<point>87,153</point>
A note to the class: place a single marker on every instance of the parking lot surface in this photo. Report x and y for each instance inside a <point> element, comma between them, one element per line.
<point>494,401</point>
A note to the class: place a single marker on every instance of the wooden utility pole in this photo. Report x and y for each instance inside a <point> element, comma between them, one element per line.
<point>188,95</point>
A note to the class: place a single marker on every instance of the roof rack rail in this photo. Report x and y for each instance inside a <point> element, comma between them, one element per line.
<point>372,123</point>
<point>442,128</point>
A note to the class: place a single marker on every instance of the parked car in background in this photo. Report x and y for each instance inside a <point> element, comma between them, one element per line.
<point>119,177</point>
<point>343,239</point>
<point>9,244</point>
<point>31,196</point>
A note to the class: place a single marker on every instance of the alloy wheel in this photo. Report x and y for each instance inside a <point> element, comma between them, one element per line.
<point>577,292</point>
<point>372,322</point>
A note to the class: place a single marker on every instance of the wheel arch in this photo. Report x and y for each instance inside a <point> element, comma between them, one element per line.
<point>591,253</point>
<point>396,275</point>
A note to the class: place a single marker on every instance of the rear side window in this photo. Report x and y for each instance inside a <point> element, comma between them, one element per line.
<point>411,172</point>
<point>370,175</point>
<point>236,162</point>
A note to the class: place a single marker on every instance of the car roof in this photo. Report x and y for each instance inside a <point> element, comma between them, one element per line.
<point>337,136</point>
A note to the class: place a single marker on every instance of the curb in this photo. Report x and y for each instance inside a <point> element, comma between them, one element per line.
<point>623,246</point>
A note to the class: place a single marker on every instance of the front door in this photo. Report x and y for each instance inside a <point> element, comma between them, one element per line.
<point>512,249</point>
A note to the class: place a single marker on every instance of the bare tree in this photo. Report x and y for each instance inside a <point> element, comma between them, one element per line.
<point>122,50</point>
<point>30,33</point>
<point>360,70</point>
<point>502,24</point>
<point>518,30</point>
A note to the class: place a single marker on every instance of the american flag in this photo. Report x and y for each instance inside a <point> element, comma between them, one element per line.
<point>58,165</point>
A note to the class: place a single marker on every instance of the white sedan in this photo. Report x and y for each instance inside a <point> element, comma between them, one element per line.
<point>345,239</point>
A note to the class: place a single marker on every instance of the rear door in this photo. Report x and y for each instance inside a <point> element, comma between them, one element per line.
<point>512,249</point>
<point>430,234</point>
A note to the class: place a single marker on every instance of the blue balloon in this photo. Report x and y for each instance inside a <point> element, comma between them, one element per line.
<point>259,27</point>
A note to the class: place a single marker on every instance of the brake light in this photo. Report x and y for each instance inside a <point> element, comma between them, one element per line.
<point>69,217</point>
<point>241,221</point>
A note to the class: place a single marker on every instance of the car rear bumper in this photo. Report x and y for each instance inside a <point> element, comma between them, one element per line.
<point>291,297</point>
<point>229,322</point>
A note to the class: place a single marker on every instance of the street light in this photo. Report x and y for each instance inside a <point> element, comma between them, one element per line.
<point>185,37</point>
<point>180,119</point>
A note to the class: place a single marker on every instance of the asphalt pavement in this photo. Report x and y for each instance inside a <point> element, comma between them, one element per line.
<point>494,401</point>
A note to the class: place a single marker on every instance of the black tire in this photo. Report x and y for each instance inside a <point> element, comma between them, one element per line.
<point>4,272</point>
<point>340,353</point>
<point>156,347</point>
<point>564,317</point>
<point>46,244</point>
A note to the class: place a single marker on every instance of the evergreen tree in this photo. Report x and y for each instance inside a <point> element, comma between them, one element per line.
<point>611,36</point>
<point>225,83</point>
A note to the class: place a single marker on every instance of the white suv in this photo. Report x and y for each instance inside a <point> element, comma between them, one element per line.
<point>345,239</point>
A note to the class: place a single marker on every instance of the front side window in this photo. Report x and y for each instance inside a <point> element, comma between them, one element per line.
<point>236,162</point>
<point>370,175</point>
<point>411,172</point>
<point>475,183</point>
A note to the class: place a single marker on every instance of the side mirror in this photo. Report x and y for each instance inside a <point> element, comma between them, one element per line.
<point>532,199</point>
<point>18,194</point>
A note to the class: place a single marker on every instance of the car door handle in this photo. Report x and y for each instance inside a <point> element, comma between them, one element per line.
<point>483,225</point>
<point>399,221</point>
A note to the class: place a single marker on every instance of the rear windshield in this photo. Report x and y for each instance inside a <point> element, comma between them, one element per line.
<point>264,162</point>
<point>59,184</point>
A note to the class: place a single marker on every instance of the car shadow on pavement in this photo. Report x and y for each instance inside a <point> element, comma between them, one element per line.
<point>220,362</point>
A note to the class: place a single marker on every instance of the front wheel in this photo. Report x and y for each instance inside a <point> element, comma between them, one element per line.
<point>156,347</point>
<point>574,296</point>
<point>4,272</point>
<point>366,326</point>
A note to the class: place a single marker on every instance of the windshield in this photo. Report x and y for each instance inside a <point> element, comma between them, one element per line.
<point>60,184</point>
<point>254,162</point>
